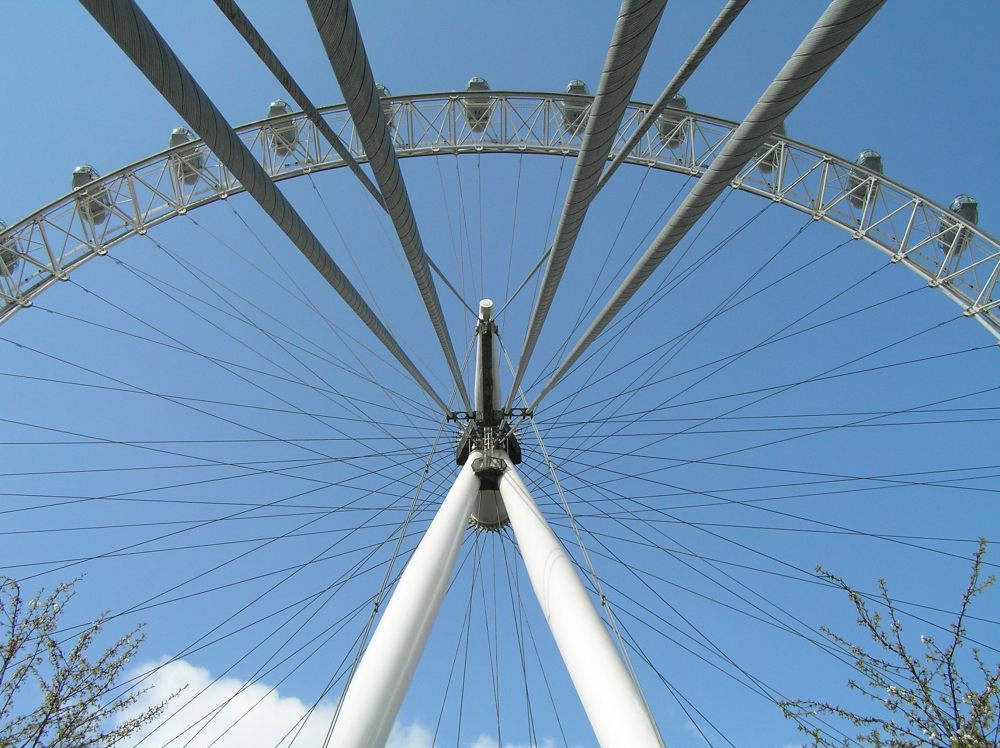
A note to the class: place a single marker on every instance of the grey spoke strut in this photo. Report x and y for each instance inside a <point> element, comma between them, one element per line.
<point>637,22</point>
<point>338,29</point>
<point>834,31</point>
<point>242,24</point>
<point>131,30</point>
<point>249,32</point>
<point>722,22</point>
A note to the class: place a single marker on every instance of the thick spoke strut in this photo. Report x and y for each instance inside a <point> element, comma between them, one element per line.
<point>699,53</point>
<point>133,32</point>
<point>338,29</point>
<point>637,22</point>
<point>842,21</point>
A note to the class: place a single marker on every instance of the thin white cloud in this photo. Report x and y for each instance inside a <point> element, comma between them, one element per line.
<point>227,713</point>
<point>409,736</point>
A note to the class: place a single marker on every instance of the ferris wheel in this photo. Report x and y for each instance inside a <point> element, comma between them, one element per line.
<point>374,404</point>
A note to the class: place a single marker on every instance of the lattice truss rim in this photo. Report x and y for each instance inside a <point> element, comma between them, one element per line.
<point>957,257</point>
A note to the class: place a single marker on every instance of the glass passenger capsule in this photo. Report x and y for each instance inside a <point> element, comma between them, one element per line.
<point>187,163</point>
<point>8,253</point>
<point>670,124</point>
<point>93,204</point>
<point>867,159</point>
<point>388,110</point>
<point>284,136</point>
<point>953,237</point>
<point>769,156</point>
<point>477,107</point>
<point>573,111</point>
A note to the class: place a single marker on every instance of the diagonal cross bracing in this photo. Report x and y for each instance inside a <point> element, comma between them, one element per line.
<point>249,32</point>
<point>338,29</point>
<point>842,21</point>
<point>634,30</point>
<point>722,22</point>
<point>132,31</point>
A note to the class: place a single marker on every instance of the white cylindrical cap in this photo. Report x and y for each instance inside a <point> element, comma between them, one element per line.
<point>486,309</point>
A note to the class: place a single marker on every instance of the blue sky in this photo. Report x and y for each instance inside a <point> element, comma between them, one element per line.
<point>691,573</point>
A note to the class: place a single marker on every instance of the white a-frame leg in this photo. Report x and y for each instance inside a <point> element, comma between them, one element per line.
<point>616,709</point>
<point>376,691</point>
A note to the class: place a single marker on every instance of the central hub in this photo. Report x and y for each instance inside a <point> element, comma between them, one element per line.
<point>487,434</point>
<point>489,512</point>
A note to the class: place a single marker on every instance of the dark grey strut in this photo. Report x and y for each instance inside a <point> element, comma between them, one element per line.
<point>338,29</point>
<point>131,30</point>
<point>722,22</point>
<point>842,21</point>
<point>634,30</point>
<point>249,32</point>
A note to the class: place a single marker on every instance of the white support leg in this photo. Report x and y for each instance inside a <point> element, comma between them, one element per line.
<point>611,698</point>
<point>376,692</point>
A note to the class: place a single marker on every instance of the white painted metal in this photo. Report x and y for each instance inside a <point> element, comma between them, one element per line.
<point>376,691</point>
<point>615,707</point>
<point>52,242</point>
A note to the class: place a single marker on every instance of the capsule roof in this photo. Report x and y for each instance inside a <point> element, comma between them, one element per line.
<point>180,135</point>
<point>477,83</point>
<point>383,90</point>
<point>82,174</point>
<point>278,107</point>
<point>966,206</point>
<point>577,86</point>
<point>678,101</point>
<point>870,159</point>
